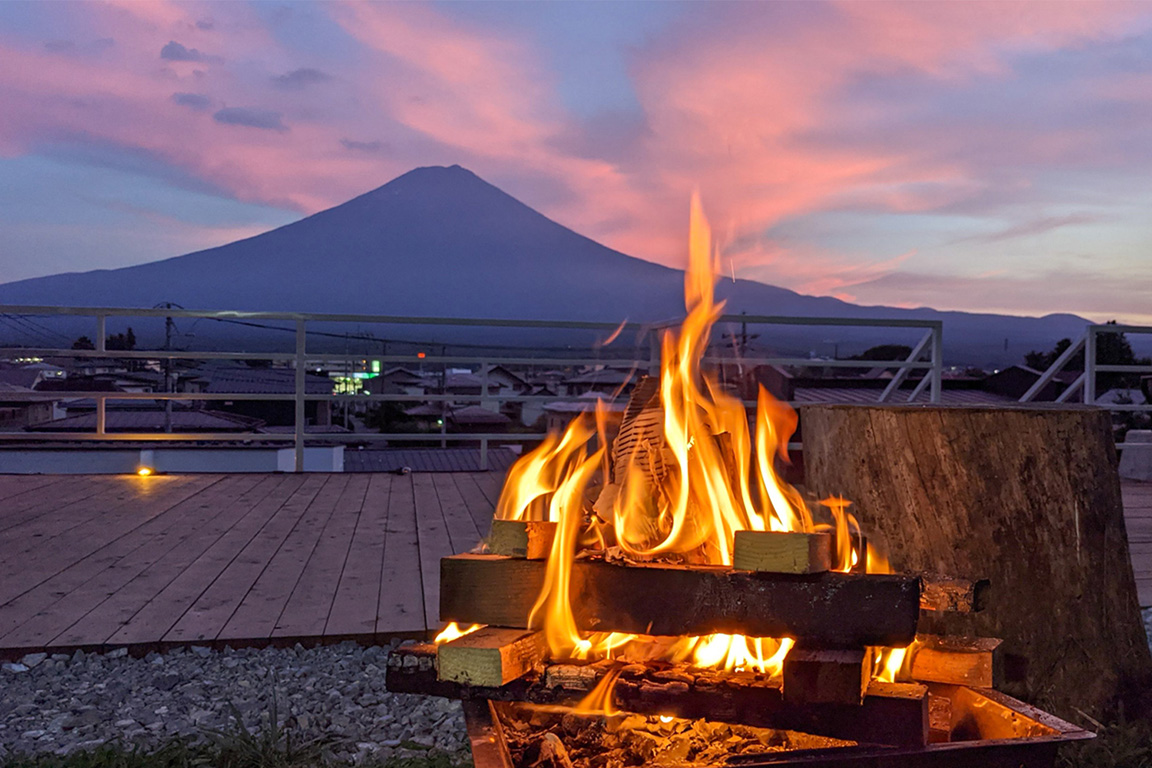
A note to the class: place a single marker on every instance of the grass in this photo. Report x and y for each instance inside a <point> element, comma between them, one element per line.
<point>1120,745</point>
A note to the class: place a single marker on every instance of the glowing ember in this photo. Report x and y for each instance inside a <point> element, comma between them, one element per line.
<point>694,475</point>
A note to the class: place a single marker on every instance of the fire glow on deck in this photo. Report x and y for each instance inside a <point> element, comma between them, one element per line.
<point>653,591</point>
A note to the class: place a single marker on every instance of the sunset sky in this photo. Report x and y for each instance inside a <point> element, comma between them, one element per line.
<point>976,156</point>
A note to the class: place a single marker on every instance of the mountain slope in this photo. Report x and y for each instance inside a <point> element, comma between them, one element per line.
<point>443,242</point>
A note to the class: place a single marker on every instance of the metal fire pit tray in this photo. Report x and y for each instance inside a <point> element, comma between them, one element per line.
<point>988,730</point>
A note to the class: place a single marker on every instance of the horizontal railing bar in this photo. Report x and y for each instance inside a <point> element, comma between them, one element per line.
<point>1124,368</point>
<point>25,309</point>
<point>285,437</point>
<point>1110,328</point>
<point>456,359</point>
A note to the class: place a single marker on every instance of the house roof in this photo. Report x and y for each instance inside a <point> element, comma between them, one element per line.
<point>21,377</point>
<point>606,376</point>
<point>1122,396</point>
<point>475,414</point>
<point>247,380</point>
<point>586,403</point>
<point>152,421</point>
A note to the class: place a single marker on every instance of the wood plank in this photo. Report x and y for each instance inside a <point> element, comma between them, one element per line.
<point>206,618</point>
<point>782,552</point>
<point>821,676</point>
<point>306,612</point>
<point>478,504</point>
<point>490,656</point>
<point>354,606</point>
<point>261,608</point>
<point>491,483</point>
<point>522,538</point>
<point>51,513</point>
<point>892,713</point>
<point>216,512</point>
<point>66,490</point>
<point>402,602</point>
<point>974,662</point>
<point>71,592</point>
<point>826,609</point>
<point>15,485</point>
<point>202,564</point>
<point>434,543</point>
<point>462,529</point>
<point>108,518</point>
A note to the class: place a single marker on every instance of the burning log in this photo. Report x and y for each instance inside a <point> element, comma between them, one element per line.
<point>782,552</point>
<point>971,661</point>
<point>826,609</point>
<point>891,714</point>
<point>522,538</point>
<point>817,676</point>
<point>490,656</point>
<point>942,593</point>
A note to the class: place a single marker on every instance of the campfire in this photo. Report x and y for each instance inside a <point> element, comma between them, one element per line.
<point>653,591</point>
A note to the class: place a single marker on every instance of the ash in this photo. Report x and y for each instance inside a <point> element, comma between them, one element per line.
<point>62,703</point>
<point>552,738</point>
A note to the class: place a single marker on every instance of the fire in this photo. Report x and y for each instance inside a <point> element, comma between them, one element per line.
<point>453,631</point>
<point>680,494</point>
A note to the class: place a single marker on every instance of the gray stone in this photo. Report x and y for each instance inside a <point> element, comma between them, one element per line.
<point>32,660</point>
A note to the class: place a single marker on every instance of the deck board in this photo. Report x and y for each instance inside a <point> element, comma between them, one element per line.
<point>355,605</point>
<point>401,603</point>
<point>120,560</point>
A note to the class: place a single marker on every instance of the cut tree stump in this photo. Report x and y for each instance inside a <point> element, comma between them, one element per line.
<point>826,609</point>
<point>522,538</point>
<point>490,656</point>
<point>782,552</point>
<point>1028,498</point>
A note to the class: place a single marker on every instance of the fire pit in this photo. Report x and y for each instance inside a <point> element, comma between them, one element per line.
<point>670,600</point>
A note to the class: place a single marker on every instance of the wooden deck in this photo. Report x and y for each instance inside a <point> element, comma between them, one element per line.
<point>109,561</point>
<point>1138,519</point>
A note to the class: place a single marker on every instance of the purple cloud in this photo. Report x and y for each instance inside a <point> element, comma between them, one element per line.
<point>251,117</point>
<point>196,101</point>
<point>371,147</point>
<point>174,51</point>
<point>298,79</point>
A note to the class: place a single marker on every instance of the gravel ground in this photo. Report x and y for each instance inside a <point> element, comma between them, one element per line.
<point>61,703</point>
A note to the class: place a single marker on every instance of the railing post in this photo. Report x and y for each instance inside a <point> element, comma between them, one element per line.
<point>101,415</point>
<point>1090,366</point>
<point>653,352</point>
<point>484,368</point>
<point>301,361</point>
<point>101,332</point>
<point>937,363</point>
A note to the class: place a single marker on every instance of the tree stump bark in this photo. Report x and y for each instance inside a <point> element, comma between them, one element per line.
<point>1029,498</point>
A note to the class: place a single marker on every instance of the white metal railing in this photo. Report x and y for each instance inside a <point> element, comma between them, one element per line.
<point>1085,384</point>
<point>926,356</point>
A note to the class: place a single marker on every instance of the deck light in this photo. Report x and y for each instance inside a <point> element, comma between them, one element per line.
<point>144,471</point>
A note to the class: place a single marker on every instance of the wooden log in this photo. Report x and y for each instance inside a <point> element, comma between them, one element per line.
<point>827,609</point>
<point>782,552</point>
<point>818,676</point>
<point>945,593</point>
<point>891,714</point>
<point>1027,497</point>
<point>522,538</point>
<point>490,656</point>
<point>939,718</point>
<point>971,661</point>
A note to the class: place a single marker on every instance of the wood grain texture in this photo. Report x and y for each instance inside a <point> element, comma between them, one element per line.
<point>490,656</point>
<point>1029,498</point>
<point>782,551</point>
<point>522,538</point>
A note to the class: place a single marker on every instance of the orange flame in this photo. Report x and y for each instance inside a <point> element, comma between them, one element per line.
<point>679,496</point>
<point>453,631</point>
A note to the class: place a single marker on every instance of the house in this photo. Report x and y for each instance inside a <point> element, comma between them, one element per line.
<point>152,419</point>
<point>1015,380</point>
<point>18,413</point>
<point>558,415</point>
<point>607,380</point>
<point>249,380</point>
